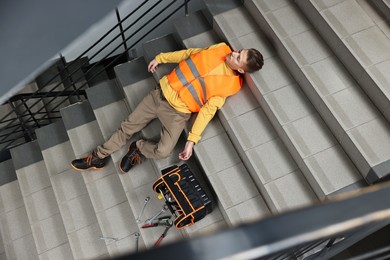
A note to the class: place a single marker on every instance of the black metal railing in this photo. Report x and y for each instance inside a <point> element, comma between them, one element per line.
<point>34,110</point>
<point>321,231</point>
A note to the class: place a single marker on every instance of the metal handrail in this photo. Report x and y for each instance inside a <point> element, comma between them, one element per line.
<point>67,67</point>
<point>119,56</point>
<point>38,96</point>
<point>29,120</point>
<point>45,94</point>
<point>108,55</point>
<point>380,253</point>
<point>72,70</point>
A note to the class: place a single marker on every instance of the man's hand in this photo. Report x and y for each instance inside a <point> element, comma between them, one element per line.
<point>187,152</point>
<point>152,67</point>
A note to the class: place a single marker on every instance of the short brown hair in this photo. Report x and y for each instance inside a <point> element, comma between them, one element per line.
<point>254,60</point>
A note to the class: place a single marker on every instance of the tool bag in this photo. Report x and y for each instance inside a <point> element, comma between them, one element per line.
<point>183,195</point>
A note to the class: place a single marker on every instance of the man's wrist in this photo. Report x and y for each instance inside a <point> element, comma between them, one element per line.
<point>193,137</point>
<point>157,58</point>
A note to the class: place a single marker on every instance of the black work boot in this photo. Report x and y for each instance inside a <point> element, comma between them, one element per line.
<point>132,158</point>
<point>92,161</point>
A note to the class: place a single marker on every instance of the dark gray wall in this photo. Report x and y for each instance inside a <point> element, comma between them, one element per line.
<point>34,31</point>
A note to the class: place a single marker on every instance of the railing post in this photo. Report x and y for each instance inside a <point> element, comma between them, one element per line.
<point>28,136</point>
<point>122,32</point>
<point>68,75</point>
<point>186,7</point>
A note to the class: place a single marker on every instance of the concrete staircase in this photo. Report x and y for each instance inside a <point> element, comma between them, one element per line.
<point>303,129</point>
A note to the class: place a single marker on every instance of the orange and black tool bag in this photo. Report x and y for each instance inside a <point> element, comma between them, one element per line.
<point>183,195</point>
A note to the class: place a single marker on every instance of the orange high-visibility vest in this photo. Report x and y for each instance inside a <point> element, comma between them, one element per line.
<point>194,86</point>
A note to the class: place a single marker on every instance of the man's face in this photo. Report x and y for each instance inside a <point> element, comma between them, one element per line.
<point>237,60</point>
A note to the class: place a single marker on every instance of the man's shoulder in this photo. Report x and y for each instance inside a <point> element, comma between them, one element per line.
<point>217,45</point>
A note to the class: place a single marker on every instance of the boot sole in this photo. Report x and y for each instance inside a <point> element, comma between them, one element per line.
<point>90,168</point>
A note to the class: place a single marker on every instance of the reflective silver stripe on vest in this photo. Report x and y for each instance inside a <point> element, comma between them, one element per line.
<point>201,80</point>
<point>190,87</point>
<point>192,90</point>
<point>193,68</point>
<point>181,77</point>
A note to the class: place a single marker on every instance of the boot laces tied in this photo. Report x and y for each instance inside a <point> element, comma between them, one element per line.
<point>89,159</point>
<point>136,159</point>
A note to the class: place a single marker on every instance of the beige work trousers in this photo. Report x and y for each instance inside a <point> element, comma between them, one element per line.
<point>151,107</point>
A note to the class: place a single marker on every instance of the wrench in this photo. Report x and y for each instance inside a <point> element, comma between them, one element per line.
<point>143,208</point>
<point>157,222</point>
<point>163,209</point>
<point>136,235</point>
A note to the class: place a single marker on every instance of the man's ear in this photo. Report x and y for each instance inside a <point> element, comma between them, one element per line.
<point>241,70</point>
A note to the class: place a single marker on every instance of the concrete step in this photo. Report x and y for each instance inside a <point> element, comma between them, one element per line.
<point>50,76</point>
<point>48,81</point>
<point>15,227</point>
<point>73,77</point>
<point>42,209</point>
<point>272,167</point>
<point>96,74</point>
<point>110,110</point>
<point>8,173</point>
<point>104,187</point>
<point>252,136</point>
<point>382,6</point>
<point>345,109</point>
<point>2,249</point>
<point>194,31</point>
<point>72,72</point>
<point>153,47</point>
<point>298,125</point>
<point>75,205</point>
<point>360,38</point>
<point>240,200</point>
<point>215,7</point>
<point>136,83</point>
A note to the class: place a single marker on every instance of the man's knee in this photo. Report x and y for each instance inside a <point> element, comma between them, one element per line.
<point>163,152</point>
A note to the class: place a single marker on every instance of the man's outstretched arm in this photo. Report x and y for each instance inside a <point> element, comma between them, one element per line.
<point>171,57</point>
<point>174,57</point>
<point>204,116</point>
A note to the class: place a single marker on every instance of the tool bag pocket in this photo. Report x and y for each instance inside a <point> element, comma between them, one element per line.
<point>183,195</point>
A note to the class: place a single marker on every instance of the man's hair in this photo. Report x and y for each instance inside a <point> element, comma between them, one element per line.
<point>254,60</point>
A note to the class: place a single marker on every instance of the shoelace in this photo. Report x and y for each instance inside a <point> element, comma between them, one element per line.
<point>89,159</point>
<point>136,159</point>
